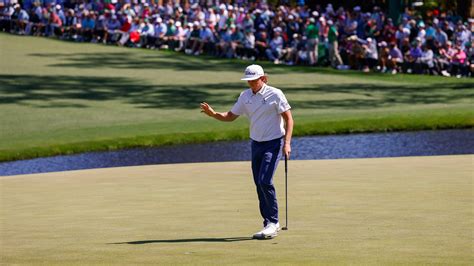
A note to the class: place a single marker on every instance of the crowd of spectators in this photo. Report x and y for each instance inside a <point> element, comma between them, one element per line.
<point>439,43</point>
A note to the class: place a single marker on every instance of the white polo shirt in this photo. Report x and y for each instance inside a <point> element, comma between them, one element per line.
<point>264,112</point>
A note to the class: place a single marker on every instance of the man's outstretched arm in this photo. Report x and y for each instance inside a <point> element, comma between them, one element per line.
<point>226,117</point>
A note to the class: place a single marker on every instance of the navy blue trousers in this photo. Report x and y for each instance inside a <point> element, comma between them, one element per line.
<point>265,158</point>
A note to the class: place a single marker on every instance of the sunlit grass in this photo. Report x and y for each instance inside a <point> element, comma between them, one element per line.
<point>59,97</point>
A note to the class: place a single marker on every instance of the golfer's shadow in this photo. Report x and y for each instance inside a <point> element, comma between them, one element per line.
<point>187,240</point>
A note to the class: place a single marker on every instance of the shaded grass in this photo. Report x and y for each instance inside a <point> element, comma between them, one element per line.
<point>62,98</point>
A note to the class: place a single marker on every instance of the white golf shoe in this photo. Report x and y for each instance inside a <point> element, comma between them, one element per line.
<point>278,227</point>
<point>270,231</point>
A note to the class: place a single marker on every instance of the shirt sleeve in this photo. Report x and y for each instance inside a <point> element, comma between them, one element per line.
<point>283,104</point>
<point>238,108</point>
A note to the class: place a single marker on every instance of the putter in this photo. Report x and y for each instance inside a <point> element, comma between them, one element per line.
<point>286,194</point>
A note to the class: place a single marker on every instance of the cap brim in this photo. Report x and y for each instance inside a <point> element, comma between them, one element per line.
<point>251,78</point>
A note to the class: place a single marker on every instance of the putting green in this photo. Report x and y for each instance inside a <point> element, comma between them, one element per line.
<point>414,210</point>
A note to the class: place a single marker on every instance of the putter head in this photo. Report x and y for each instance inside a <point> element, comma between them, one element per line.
<point>284,228</point>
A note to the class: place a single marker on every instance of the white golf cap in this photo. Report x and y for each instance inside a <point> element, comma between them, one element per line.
<point>253,72</point>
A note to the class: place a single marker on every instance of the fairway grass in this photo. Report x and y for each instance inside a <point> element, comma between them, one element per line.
<point>59,97</point>
<point>396,211</point>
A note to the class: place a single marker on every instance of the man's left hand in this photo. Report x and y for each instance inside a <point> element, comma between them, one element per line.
<point>287,150</point>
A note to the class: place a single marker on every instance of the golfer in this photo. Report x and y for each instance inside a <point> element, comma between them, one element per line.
<point>271,127</point>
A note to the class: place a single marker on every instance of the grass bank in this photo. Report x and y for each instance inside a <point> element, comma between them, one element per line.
<point>60,98</point>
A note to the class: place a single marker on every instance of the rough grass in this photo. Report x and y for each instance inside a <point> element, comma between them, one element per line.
<point>58,98</point>
<point>393,211</point>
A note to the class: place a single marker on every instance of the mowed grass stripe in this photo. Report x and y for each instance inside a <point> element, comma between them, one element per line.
<point>59,98</point>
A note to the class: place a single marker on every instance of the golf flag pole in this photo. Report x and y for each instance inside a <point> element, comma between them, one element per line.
<point>286,193</point>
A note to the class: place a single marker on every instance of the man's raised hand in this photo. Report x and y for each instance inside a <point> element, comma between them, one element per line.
<point>207,109</point>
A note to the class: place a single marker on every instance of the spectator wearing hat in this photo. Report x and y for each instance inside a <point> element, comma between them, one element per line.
<point>248,22</point>
<point>111,30</point>
<point>261,42</point>
<point>124,31</point>
<point>41,19</point>
<point>462,35</point>
<point>211,19</point>
<point>259,20</point>
<point>176,41</point>
<point>60,12</point>
<point>430,34</point>
<point>371,29</point>
<point>239,17</point>
<point>223,15</point>
<point>440,37</point>
<point>223,43</point>
<point>443,60</point>
<point>470,59</point>
<point>371,54</point>
<point>99,30</point>
<point>401,34</point>
<point>53,26</point>
<point>351,24</point>
<point>42,26</point>
<point>22,19</point>
<point>355,53</point>
<point>290,53</point>
<point>231,16</point>
<point>275,47</point>
<point>413,30</point>
<point>146,31</point>
<point>458,62</point>
<point>15,11</point>
<point>169,35</point>
<point>160,32</point>
<point>134,38</point>
<point>199,15</point>
<point>87,27</point>
<point>333,45</point>
<point>192,38</point>
<point>395,58</point>
<point>183,36</point>
<point>292,27</point>
<point>303,13</point>
<point>323,30</point>
<point>412,62</point>
<point>205,41</point>
<point>447,28</point>
<point>427,60</point>
<point>236,40</point>
<point>248,45</point>
<point>6,12</point>
<point>421,32</point>
<point>312,35</point>
<point>384,52</point>
<point>388,31</point>
<point>69,26</point>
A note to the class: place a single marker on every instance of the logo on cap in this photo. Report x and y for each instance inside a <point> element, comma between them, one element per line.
<point>253,72</point>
